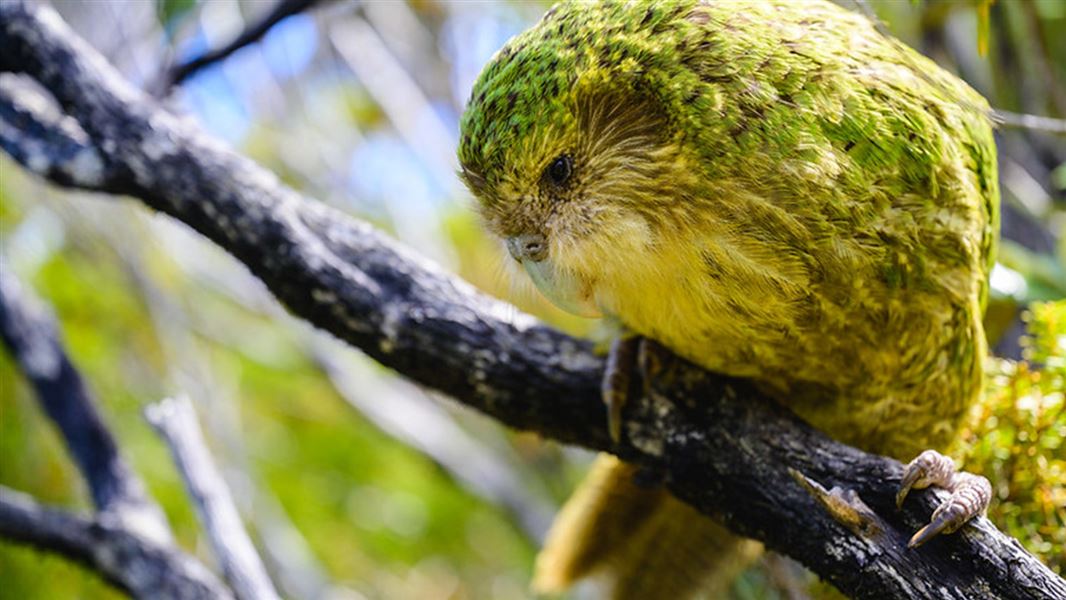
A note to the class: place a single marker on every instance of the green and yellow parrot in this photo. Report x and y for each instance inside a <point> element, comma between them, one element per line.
<point>771,189</point>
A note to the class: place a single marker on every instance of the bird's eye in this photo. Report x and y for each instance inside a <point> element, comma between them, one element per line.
<point>559,171</point>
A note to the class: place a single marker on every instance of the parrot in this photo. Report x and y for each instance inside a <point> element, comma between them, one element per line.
<point>771,189</point>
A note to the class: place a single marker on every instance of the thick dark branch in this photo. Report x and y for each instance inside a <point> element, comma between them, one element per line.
<point>175,420</point>
<point>140,566</point>
<point>36,134</point>
<point>30,335</point>
<point>179,73</point>
<point>717,443</point>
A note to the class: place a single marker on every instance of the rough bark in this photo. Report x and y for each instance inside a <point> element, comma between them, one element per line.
<point>715,442</point>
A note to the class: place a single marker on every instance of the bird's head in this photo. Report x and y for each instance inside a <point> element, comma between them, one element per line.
<point>570,155</point>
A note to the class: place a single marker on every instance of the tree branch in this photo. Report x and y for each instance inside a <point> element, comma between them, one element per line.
<point>140,566</point>
<point>175,420</point>
<point>128,542</point>
<point>251,34</point>
<point>31,337</point>
<point>1007,118</point>
<point>716,442</point>
<point>35,133</point>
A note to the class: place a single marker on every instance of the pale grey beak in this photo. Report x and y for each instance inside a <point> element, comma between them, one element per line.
<point>532,247</point>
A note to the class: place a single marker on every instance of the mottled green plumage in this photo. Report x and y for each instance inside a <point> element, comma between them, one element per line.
<point>773,189</point>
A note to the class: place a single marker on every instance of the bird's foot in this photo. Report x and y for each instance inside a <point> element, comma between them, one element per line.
<point>628,355</point>
<point>621,362</point>
<point>970,494</point>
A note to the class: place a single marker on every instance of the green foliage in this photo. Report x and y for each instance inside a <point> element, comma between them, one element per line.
<point>1016,438</point>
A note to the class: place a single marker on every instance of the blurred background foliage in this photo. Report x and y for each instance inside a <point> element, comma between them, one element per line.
<point>1017,437</point>
<point>354,483</point>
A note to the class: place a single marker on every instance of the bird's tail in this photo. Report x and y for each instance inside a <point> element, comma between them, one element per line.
<point>647,544</point>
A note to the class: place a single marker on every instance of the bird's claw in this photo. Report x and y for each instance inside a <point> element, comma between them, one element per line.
<point>970,494</point>
<point>928,468</point>
<point>622,361</point>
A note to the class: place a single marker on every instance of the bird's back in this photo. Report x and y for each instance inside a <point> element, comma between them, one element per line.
<point>837,241</point>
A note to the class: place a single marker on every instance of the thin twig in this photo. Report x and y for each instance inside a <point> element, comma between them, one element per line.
<point>30,335</point>
<point>140,566</point>
<point>128,542</point>
<point>179,73</point>
<point>286,553</point>
<point>175,420</point>
<point>1007,118</point>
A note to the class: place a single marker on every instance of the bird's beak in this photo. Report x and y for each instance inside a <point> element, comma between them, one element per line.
<point>531,247</point>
